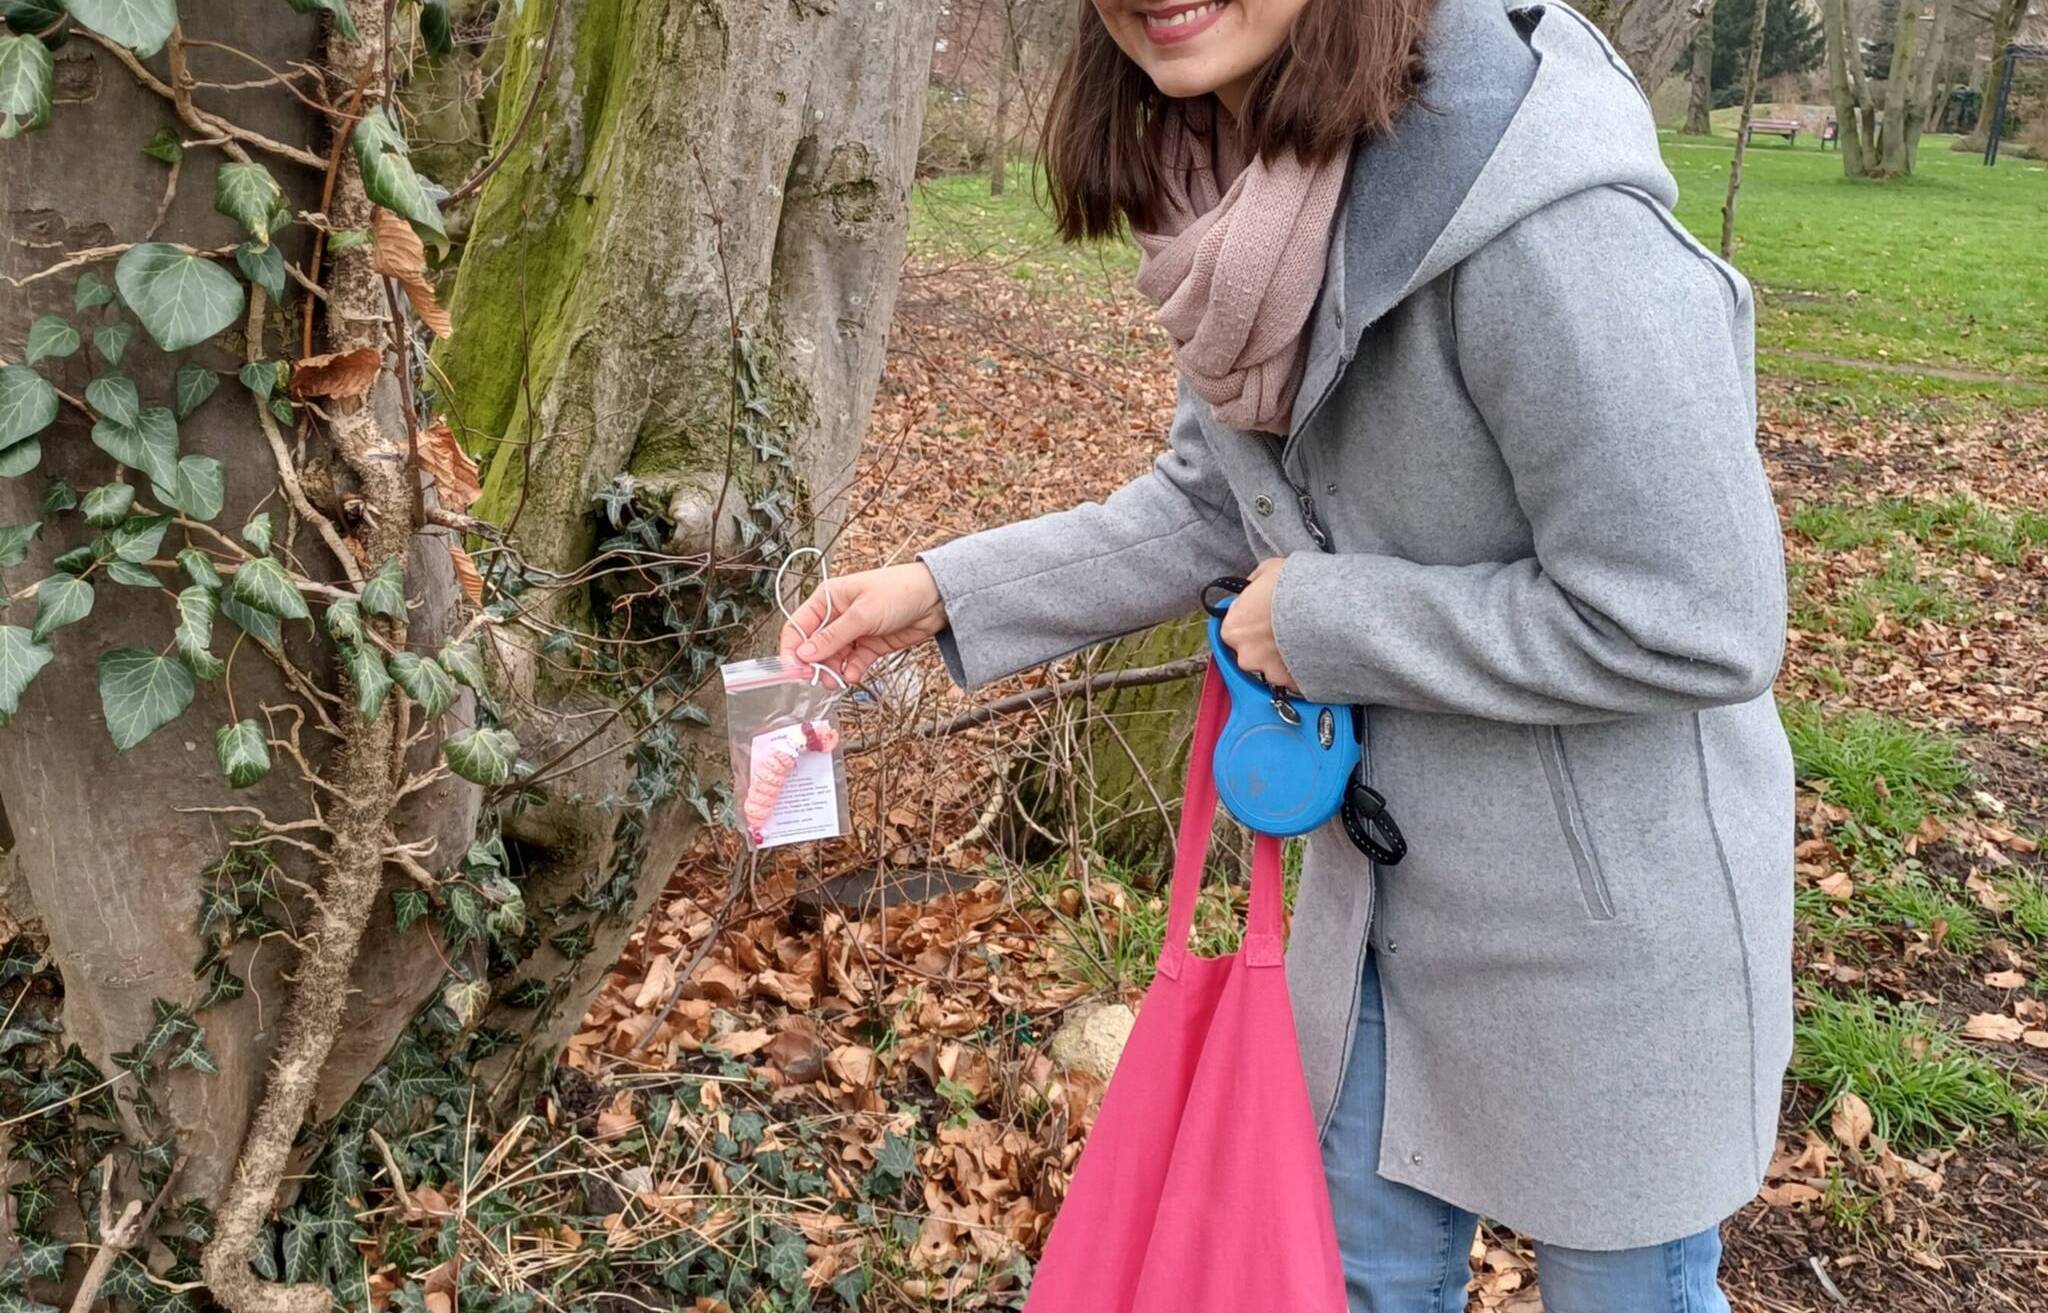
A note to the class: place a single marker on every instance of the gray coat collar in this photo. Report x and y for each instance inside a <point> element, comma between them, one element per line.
<point>1524,104</point>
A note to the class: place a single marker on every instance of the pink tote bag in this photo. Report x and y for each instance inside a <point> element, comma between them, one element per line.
<point>1201,1189</point>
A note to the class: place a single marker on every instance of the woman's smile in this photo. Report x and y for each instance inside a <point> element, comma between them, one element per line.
<point>1175,24</point>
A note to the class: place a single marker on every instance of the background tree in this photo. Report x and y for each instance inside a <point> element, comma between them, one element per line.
<point>1758,18</point>
<point>1793,43</point>
<point>1648,34</point>
<point>309,841</point>
<point>1699,106</point>
<point>2005,19</point>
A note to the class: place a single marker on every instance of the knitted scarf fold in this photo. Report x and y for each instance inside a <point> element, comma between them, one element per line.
<point>1235,265</point>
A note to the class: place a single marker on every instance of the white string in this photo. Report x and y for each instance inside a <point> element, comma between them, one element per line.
<point>824,583</point>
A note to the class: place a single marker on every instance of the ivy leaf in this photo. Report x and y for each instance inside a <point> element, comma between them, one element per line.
<point>407,907</point>
<point>111,340</point>
<point>139,537</point>
<point>199,569</point>
<point>222,986</point>
<point>482,756</point>
<point>244,756</point>
<point>113,398</point>
<point>345,621</point>
<point>61,599</point>
<point>263,266</point>
<point>107,505</point>
<point>196,609</point>
<point>141,692</point>
<point>285,412</point>
<point>194,1055</point>
<point>262,626</point>
<point>346,239</point>
<point>261,377</point>
<point>181,299</point>
<point>465,662</point>
<point>14,540</point>
<point>79,559</point>
<point>59,496</point>
<point>344,21</point>
<point>424,682</point>
<point>26,72</point>
<point>20,458</point>
<point>248,194</point>
<point>256,532</point>
<point>90,290</point>
<point>131,574</point>
<point>384,591</point>
<point>388,176</point>
<point>149,445</point>
<point>141,25</point>
<point>43,1259</point>
<point>21,656</point>
<point>28,404</point>
<point>264,585</point>
<point>201,488</point>
<point>195,384</point>
<point>51,338</point>
<point>165,146</point>
<point>366,672</point>
<point>436,27</point>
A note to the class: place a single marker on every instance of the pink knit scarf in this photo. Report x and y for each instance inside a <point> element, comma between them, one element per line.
<point>1235,265</point>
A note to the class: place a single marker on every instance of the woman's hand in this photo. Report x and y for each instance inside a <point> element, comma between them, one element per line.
<point>1248,626</point>
<point>873,613</point>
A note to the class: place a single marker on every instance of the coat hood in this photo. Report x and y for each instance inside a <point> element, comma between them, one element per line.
<point>1523,104</point>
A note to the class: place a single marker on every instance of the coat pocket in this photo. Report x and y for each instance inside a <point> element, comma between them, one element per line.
<point>1571,819</point>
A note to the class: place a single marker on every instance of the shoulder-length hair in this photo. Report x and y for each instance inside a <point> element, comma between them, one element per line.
<point>1346,70</point>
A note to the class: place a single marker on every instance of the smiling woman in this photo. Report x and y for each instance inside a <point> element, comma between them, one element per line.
<point>1302,77</point>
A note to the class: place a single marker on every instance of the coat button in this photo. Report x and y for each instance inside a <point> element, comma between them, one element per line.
<point>1331,486</point>
<point>1415,1158</point>
<point>1262,504</point>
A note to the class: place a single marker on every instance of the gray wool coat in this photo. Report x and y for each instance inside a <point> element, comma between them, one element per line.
<point>1553,576</point>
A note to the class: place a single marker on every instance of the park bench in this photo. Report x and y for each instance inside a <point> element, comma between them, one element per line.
<point>1831,132</point>
<point>1786,128</point>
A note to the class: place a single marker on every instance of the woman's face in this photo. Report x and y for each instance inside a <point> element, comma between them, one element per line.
<point>1194,48</point>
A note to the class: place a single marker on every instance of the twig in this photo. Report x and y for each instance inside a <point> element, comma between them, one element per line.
<point>287,469</point>
<point>391,1167</point>
<point>198,119</point>
<point>742,880</point>
<point>117,1237</point>
<point>987,711</point>
<point>540,80</point>
<point>1827,1284</point>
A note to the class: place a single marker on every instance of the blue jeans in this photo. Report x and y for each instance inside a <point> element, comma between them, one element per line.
<point>1405,1252</point>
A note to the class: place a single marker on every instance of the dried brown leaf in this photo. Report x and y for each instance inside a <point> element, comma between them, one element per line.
<point>344,374</point>
<point>455,475</point>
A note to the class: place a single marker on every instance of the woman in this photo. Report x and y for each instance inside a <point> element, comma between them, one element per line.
<point>1477,417</point>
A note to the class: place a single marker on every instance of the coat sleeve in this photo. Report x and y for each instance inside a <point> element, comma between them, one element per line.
<point>1029,592</point>
<point>1610,357</point>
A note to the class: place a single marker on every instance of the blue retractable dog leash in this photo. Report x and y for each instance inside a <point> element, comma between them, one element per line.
<point>1285,765</point>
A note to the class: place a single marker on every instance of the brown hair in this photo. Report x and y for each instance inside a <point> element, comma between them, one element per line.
<point>1346,70</point>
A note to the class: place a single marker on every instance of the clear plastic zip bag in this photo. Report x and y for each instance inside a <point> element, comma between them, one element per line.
<point>789,777</point>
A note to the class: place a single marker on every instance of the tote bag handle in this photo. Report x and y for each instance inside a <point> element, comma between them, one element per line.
<point>1263,942</point>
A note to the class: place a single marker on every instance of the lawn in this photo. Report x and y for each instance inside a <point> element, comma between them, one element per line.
<point>1942,271</point>
<point>1930,278</point>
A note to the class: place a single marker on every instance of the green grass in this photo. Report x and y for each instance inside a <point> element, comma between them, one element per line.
<point>1938,270</point>
<point>1957,523</point>
<point>1885,772</point>
<point>1924,1086</point>
<point>953,218</point>
<point>1900,591</point>
<point>2028,909</point>
<point>1904,899</point>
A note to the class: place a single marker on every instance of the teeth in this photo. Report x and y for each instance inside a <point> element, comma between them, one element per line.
<point>1184,16</point>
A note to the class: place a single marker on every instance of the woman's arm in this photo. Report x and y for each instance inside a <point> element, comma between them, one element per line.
<point>1032,591</point>
<point>1610,359</point>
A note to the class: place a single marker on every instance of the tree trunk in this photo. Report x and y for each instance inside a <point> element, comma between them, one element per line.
<point>2005,21</point>
<point>1699,110</point>
<point>1007,69</point>
<point>1647,34</point>
<point>1845,79</point>
<point>115,848</point>
<point>685,269</point>
<point>1750,65</point>
<point>1926,104</point>
<point>1899,102</point>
